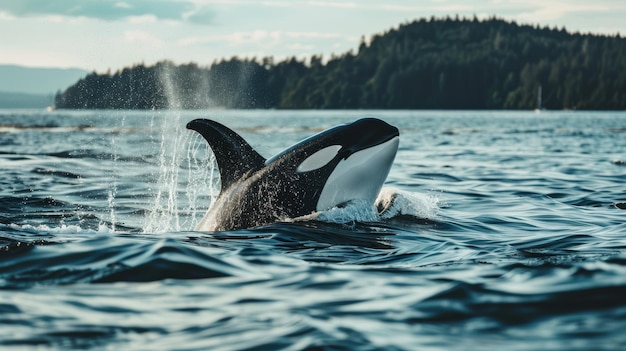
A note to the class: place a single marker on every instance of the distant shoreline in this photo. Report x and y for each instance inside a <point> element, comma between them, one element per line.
<point>457,64</point>
<point>51,108</point>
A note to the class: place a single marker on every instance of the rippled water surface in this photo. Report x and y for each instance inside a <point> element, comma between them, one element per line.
<point>508,232</point>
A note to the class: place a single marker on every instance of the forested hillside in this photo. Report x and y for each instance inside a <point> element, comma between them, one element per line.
<point>427,64</point>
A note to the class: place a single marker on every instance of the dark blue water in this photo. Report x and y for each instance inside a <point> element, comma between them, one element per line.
<point>509,232</point>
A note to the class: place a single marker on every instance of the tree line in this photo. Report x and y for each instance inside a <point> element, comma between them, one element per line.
<point>436,63</point>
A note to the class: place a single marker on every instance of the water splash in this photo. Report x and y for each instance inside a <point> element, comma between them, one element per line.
<point>167,77</point>
<point>180,150</point>
<point>354,211</point>
<point>164,215</point>
<point>391,203</point>
<point>114,175</point>
<point>203,181</point>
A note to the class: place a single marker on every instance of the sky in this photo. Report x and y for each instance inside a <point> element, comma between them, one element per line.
<point>111,34</point>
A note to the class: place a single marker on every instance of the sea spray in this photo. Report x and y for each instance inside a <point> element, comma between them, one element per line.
<point>167,77</point>
<point>112,193</point>
<point>179,151</point>
<point>202,178</point>
<point>187,175</point>
<point>164,216</point>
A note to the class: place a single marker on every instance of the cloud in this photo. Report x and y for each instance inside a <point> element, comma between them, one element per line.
<point>258,37</point>
<point>141,37</point>
<point>333,4</point>
<point>110,10</point>
<point>6,16</point>
<point>199,15</point>
<point>543,11</point>
<point>312,35</point>
<point>142,19</point>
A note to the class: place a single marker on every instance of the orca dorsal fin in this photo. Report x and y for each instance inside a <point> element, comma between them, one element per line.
<point>235,157</point>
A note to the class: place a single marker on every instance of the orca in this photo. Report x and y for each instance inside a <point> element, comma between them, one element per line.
<point>345,163</point>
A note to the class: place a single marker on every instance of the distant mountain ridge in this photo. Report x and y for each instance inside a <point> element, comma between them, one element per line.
<point>34,87</point>
<point>437,63</point>
<point>22,100</point>
<point>37,80</point>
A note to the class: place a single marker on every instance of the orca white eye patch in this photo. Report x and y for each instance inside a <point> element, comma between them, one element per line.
<point>319,159</point>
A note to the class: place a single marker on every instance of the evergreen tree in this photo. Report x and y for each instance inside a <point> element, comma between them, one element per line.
<point>427,64</point>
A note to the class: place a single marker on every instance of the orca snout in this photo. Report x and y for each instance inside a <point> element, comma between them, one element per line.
<point>377,128</point>
<point>366,133</point>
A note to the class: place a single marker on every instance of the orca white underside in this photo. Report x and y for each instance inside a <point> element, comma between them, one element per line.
<point>360,176</point>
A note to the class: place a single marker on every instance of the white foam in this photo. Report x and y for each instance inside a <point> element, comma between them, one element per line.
<point>62,229</point>
<point>395,202</point>
<point>354,211</point>
<point>391,202</point>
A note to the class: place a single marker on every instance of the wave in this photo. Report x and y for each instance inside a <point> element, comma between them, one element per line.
<point>107,258</point>
<point>61,229</point>
<point>51,128</point>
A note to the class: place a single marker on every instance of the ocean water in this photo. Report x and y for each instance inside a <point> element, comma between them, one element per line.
<point>508,231</point>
